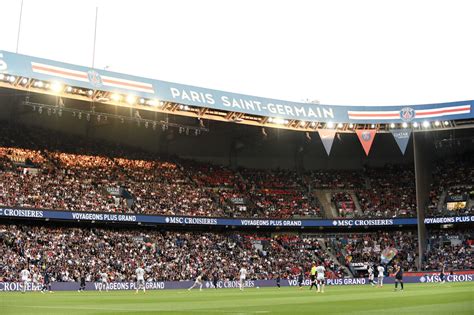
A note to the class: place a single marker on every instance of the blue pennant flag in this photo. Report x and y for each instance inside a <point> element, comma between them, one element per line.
<point>402,136</point>
<point>327,137</point>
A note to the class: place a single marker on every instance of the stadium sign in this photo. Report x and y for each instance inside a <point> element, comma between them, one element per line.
<point>448,278</point>
<point>93,79</point>
<point>185,220</point>
<point>168,285</point>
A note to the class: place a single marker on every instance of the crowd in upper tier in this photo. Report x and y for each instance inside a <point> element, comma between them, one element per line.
<point>45,169</point>
<point>167,256</point>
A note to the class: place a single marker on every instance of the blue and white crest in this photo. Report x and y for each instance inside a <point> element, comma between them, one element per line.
<point>366,135</point>
<point>407,114</point>
<point>94,78</point>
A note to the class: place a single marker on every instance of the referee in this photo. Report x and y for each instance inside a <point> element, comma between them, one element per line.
<point>313,276</point>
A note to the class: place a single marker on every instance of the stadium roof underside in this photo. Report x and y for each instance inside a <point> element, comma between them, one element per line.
<point>31,76</point>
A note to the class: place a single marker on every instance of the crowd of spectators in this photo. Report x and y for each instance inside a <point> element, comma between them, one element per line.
<point>368,248</point>
<point>46,169</point>
<point>452,190</point>
<point>452,249</point>
<point>182,255</point>
<point>166,255</point>
<point>390,192</point>
<point>380,192</point>
<point>344,203</point>
<point>80,177</point>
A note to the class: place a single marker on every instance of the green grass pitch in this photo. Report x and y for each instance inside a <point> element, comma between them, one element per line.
<point>449,298</point>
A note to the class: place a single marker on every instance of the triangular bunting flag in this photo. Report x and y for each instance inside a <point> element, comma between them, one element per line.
<point>402,136</point>
<point>327,137</point>
<point>366,138</point>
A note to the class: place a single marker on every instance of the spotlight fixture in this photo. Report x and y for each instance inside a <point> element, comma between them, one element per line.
<point>131,99</point>
<point>56,87</point>
<point>280,121</point>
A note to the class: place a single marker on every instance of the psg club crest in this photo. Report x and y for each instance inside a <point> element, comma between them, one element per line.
<point>94,78</point>
<point>366,136</point>
<point>407,114</point>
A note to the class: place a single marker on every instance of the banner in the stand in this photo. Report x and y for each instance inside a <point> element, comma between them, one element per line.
<point>64,215</point>
<point>366,138</point>
<point>402,136</point>
<point>327,137</point>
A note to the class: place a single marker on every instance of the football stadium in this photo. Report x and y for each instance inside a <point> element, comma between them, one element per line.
<point>126,194</point>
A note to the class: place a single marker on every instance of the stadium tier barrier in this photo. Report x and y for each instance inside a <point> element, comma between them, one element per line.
<point>168,285</point>
<point>182,220</point>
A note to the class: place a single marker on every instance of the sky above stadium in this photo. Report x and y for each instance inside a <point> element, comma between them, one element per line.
<point>339,52</point>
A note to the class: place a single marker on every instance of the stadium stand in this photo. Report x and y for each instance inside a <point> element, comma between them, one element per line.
<point>452,191</point>
<point>453,249</point>
<point>181,255</point>
<point>41,169</point>
<point>367,248</point>
<point>168,255</point>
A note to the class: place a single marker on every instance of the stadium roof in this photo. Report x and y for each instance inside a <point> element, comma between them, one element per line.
<point>71,81</point>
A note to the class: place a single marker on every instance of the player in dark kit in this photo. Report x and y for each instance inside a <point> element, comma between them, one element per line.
<point>398,276</point>
<point>82,284</point>
<point>442,277</point>
<point>46,282</point>
<point>301,279</point>
<point>215,279</point>
<point>278,279</point>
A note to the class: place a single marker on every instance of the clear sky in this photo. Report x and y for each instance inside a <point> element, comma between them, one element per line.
<point>339,52</point>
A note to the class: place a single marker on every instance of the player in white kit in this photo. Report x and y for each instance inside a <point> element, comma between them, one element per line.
<point>381,271</point>
<point>243,276</point>
<point>36,278</point>
<point>320,270</point>
<point>140,273</point>
<point>25,278</point>
<point>197,282</point>
<point>104,280</point>
<point>370,270</point>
